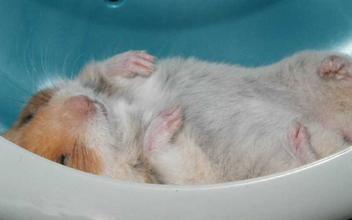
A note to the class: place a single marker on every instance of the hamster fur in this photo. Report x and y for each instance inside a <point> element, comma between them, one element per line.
<point>241,117</point>
<point>237,122</point>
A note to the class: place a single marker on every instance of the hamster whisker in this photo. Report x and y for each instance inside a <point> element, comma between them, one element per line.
<point>22,102</point>
<point>74,65</point>
<point>13,83</point>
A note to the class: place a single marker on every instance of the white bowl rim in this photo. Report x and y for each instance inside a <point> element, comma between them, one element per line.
<point>108,180</point>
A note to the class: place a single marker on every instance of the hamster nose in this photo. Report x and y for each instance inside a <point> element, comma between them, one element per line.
<point>80,104</point>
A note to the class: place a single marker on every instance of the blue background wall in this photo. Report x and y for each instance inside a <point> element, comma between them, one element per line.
<point>42,38</point>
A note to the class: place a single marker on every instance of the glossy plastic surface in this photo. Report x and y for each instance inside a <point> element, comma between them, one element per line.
<point>42,39</point>
<point>34,188</point>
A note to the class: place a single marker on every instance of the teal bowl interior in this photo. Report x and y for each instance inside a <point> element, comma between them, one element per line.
<point>41,39</point>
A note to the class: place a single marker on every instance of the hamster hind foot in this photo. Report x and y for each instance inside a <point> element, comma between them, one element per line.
<point>335,67</point>
<point>176,159</point>
<point>162,129</point>
<point>299,140</point>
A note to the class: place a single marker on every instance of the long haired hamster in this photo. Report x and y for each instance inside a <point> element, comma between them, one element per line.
<point>224,122</point>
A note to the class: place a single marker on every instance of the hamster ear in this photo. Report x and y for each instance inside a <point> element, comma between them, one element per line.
<point>38,100</point>
<point>161,130</point>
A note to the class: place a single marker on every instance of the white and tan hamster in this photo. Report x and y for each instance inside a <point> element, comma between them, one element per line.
<point>186,121</point>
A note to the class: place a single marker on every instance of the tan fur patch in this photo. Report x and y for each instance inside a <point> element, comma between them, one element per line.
<point>51,131</point>
<point>85,159</point>
<point>37,101</point>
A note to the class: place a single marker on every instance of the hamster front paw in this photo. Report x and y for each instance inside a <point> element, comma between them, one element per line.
<point>335,67</point>
<point>129,64</point>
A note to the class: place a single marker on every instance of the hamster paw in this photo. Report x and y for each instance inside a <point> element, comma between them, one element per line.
<point>299,141</point>
<point>162,129</point>
<point>334,67</point>
<point>298,136</point>
<point>129,64</point>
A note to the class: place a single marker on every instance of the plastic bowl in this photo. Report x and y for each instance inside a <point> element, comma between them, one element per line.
<point>42,39</point>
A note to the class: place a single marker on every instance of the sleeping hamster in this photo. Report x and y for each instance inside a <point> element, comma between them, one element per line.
<point>237,122</point>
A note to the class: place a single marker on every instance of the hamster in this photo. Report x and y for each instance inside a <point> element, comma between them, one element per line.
<point>237,122</point>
